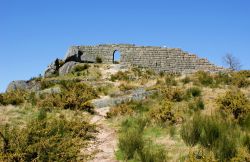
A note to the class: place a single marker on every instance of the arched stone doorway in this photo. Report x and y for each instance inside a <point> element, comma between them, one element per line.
<point>116,57</point>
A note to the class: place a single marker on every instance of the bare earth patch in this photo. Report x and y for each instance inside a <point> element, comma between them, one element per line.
<point>104,146</point>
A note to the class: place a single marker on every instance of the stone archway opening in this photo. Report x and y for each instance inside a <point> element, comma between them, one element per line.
<point>116,57</point>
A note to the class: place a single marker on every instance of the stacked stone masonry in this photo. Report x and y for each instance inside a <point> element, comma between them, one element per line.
<point>157,58</point>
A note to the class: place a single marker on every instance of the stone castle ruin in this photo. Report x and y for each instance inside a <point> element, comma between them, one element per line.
<point>172,60</point>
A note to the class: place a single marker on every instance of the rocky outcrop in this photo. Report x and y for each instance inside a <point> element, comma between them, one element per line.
<point>67,67</point>
<point>17,84</point>
<point>53,68</point>
<point>133,95</point>
<point>23,85</point>
<point>53,90</point>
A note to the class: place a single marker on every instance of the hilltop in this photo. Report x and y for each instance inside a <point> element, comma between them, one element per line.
<point>98,111</point>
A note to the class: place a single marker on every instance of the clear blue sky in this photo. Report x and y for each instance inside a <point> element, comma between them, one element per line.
<point>33,33</point>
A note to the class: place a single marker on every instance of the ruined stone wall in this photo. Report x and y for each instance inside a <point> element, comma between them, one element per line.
<point>157,58</point>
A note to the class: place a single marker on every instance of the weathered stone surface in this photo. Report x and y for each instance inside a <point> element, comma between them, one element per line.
<point>52,69</point>
<point>71,53</point>
<point>157,58</point>
<point>135,95</point>
<point>23,85</point>
<point>67,67</point>
<point>17,84</point>
<point>53,90</point>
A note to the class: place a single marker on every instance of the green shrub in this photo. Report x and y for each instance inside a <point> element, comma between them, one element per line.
<point>47,84</point>
<point>244,73</point>
<point>130,142</point>
<point>122,109</point>
<point>211,131</point>
<point>45,139</point>
<point>105,89</point>
<point>137,71</point>
<point>245,123</point>
<point>223,78</point>
<point>37,79</point>
<point>163,113</point>
<point>130,137</point>
<point>139,106</point>
<point>204,78</point>
<point>246,142</point>
<point>32,98</point>
<point>81,67</point>
<point>128,108</point>
<point>16,97</point>
<point>234,103</point>
<point>225,148</point>
<point>152,153</point>
<point>196,105</point>
<point>74,95</point>
<point>201,155</point>
<point>49,101</point>
<point>172,131</point>
<point>240,81</point>
<point>98,59</point>
<point>150,72</point>
<point>186,80</point>
<point>119,76</point>
<point>87,106</point>
<point>138,122</point>
<point>170,80</point>
<point>126,87</point>
<point>192,92</point>
<point>133,145</point>
<point>1,99</point>
<point>191,131</point>
<point>242,155</point>
<point>172,94</point>
<point>162,74</point>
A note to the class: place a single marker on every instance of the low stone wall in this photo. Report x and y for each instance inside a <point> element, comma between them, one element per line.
<point>157,58</point>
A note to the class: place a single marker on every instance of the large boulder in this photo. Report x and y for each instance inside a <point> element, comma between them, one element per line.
<point>76,55</point>
<point>24,85</point>
<point>71,54</point>
<point>67,67</point>
<point>17,84</point>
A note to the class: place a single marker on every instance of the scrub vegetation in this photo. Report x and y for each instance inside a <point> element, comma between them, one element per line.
<point>197,117</point>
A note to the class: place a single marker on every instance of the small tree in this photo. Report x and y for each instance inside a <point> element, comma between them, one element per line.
<point>232,62</point>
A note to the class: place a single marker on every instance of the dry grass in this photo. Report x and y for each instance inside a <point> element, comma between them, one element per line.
<point>15,114</point>
<point>209,97</point>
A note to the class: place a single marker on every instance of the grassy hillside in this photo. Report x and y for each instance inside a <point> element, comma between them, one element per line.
<point>198,117</point>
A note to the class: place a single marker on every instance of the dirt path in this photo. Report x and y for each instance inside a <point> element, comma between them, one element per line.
<point>104,145</point>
